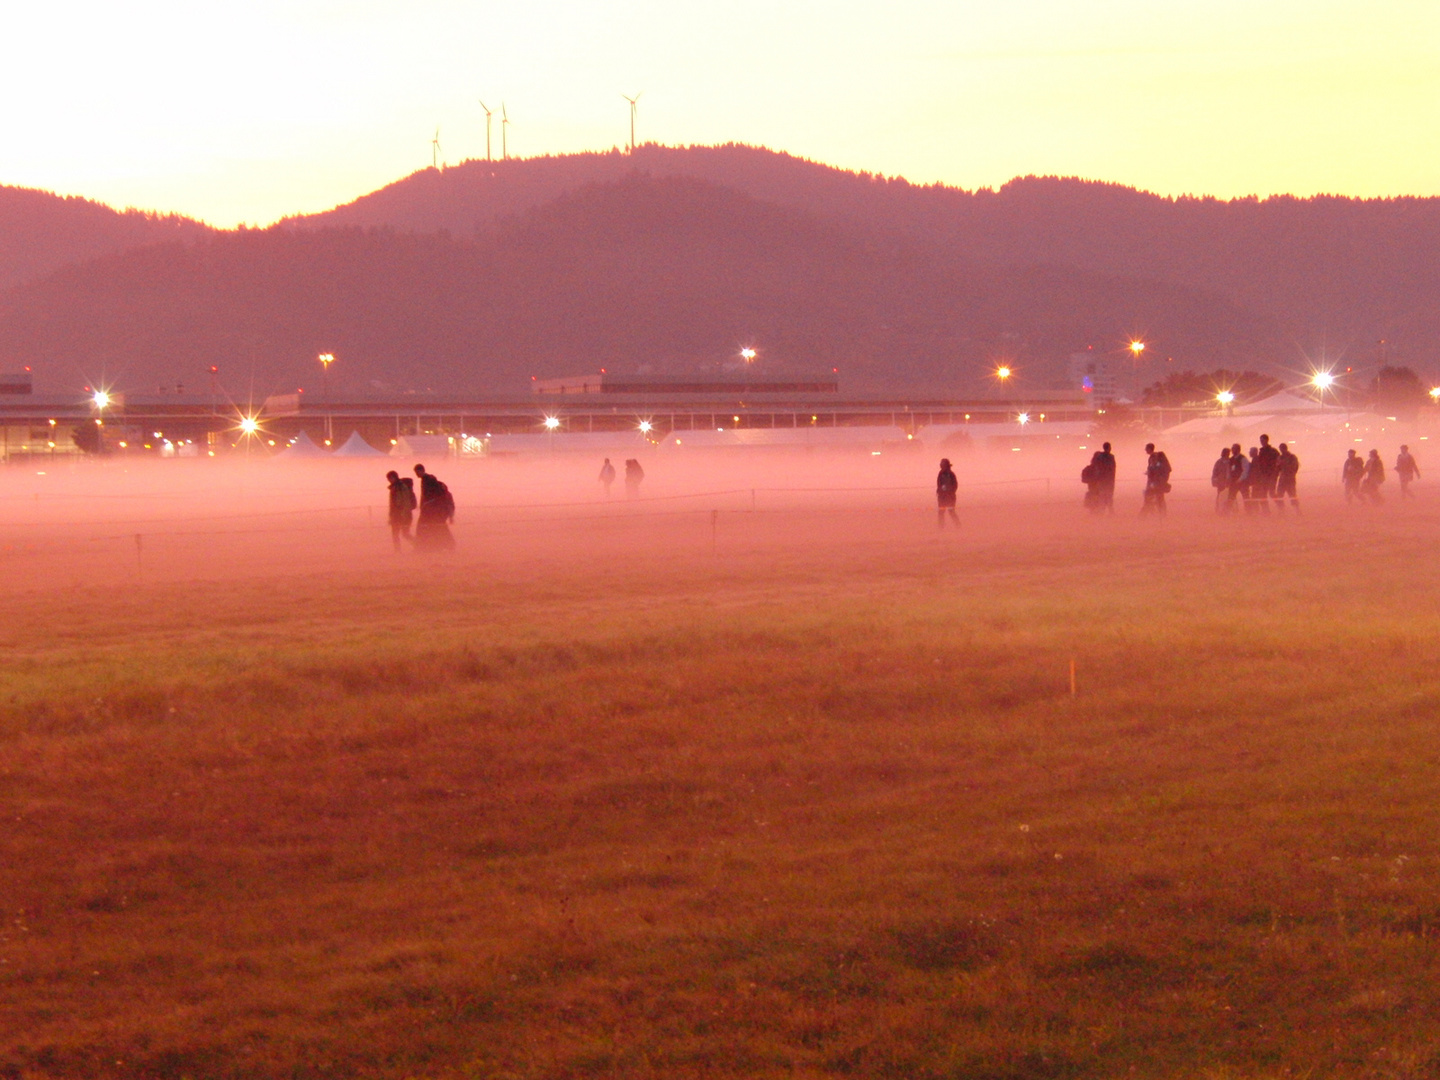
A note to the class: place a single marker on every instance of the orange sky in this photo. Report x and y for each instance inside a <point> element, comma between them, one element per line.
<point>246,112</point>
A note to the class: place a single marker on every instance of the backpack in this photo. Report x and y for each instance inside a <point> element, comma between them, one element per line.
<point>447,501</point>
<point>1087,474</point>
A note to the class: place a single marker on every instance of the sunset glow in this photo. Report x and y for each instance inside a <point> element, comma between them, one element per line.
<point>297,107</point>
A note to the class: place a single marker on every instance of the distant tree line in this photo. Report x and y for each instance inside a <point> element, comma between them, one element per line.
<point>1199,388</point>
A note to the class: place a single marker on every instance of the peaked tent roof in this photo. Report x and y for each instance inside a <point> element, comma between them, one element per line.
<point>303,447</point>
<point>355,446</point>
<point>1283,402</point>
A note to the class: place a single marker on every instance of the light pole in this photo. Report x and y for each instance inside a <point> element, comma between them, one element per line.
<point>326,359</point>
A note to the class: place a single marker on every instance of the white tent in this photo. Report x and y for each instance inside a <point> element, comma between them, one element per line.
<point>423,446</point>
<point>357,447</point>
<point>303,447</point>
<point>1283,402</point>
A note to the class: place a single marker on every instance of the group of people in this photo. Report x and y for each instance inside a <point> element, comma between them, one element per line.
<point>436,506</point>
<point>633,475</point>
<point>1362,477</point>
<point>1266,475</point>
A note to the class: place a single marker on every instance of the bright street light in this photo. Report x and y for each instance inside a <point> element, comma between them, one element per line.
<point>1434,396</point>
<point>1024,418</point>
<point>646,427</point>
<point>1225,397</point>
<point>101,399</point>
<point>552,422</point>
<point>1136,348</point>
<point>1002,373</point>
<point>249,425</point>
<point>748,354</point>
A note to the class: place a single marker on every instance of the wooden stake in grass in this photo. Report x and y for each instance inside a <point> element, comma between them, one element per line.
<point>139,565</point>
<point>1072,676</point>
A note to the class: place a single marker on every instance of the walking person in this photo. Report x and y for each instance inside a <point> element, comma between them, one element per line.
<point>1239,473</point>
<point>437,511</point>
<point>1286,469</point>
<point>1157,480</point>
<point>1104,463</point>
<point>633,475</point>
<point>402,506</point>
<point>1247,488</point>
<point>1220,479</point>
<point>1263,474</point>
<point>1351,475</point>
<point>1373,477</point>
<point>945,487</point>
<point>607,476</point>
<point>1406,470</point>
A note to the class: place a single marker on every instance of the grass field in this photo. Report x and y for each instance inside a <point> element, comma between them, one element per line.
<point>811,798</point>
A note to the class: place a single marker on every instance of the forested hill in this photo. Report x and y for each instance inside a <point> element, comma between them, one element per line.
<point>673,273</point>
<point>1337,272</point>
<point>41,232</point>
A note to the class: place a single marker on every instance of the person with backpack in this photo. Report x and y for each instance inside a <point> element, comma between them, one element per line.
<point>1372,478</point>
<point>1286,468</point>
<point>437,511</point>
<point>945,487</point>
<point>1220,478</point>
<point>1157,480</point>
<point>633,475</point>
<point>1406,470</point>
<point>402,506</point>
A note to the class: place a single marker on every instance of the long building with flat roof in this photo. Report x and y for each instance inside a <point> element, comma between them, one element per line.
<point>45,424</point>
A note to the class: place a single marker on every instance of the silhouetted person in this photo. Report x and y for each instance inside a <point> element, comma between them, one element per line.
<point>945,487</point>
<point>1239,472</point>
<point>1287,466</point>
<point>607,476</point>
<point>1090,477</point>
<point>1374,476</point>
<point>633,475</point>
<point>1247,489</point>
<point>1157,480</point>
<point>1263,474</point>
<point>1351,474</point>
<point>1104,463</point>
<point>402,506</point>
<point>437,511</point>
<point>1406,470</point>
<point>1220,479</point>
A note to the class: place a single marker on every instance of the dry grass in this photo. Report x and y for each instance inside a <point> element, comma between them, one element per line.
<point>813,809</point>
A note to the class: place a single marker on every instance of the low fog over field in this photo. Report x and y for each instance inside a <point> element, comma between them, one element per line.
<point>70,521</point>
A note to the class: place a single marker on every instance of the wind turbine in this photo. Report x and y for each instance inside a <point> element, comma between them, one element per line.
<point>488,114</point>
<point>435,150</point>
<point>632,101</point>
<point>504,127</point>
